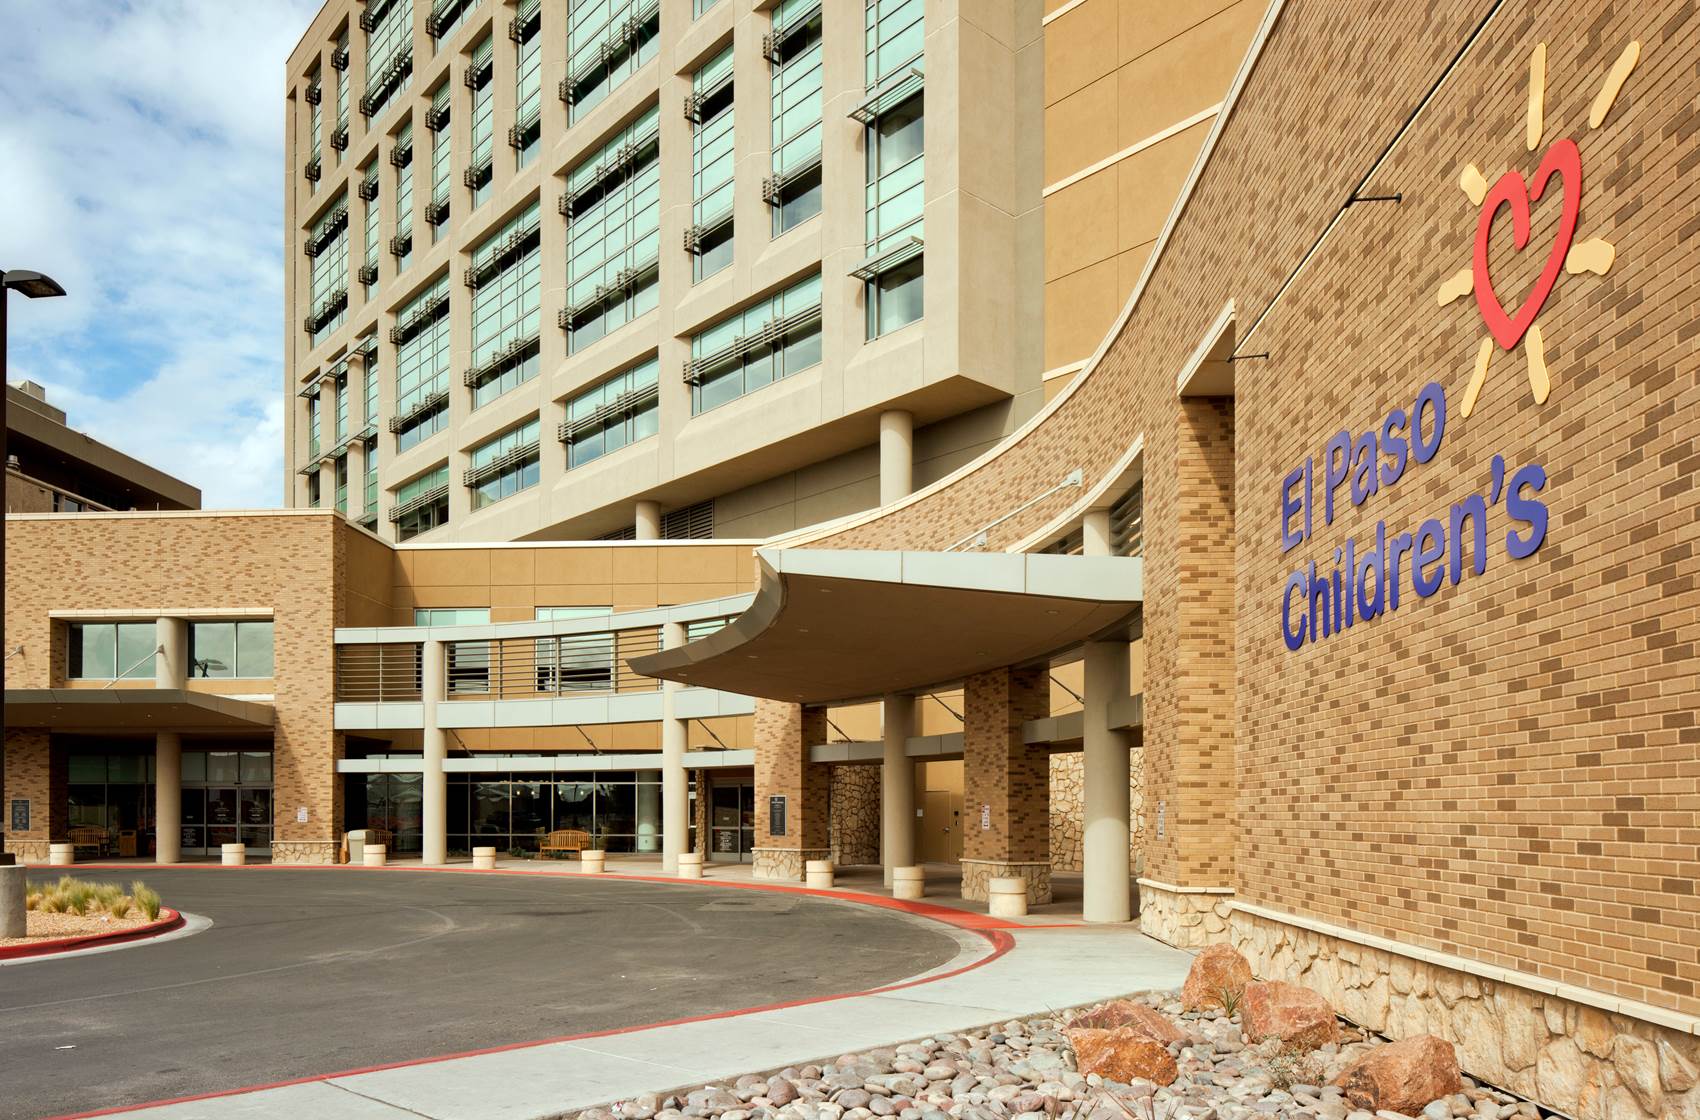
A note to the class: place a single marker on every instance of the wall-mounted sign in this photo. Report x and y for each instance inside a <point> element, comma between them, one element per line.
<point>1160,806</point>
<point>301,815</point>
<point>776,815</point>
<point>20,814</point>
<point>1366,577</point>
<point>985,818</point>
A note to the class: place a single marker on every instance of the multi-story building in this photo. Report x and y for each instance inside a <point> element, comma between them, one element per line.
<point>53,468</point>
<point>563,269</point>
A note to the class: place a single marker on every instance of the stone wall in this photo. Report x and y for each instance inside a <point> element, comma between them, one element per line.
<point>1068,810</point>
<point>1187,919</point>
<point>855,815</point>
<point>1590,1063</point>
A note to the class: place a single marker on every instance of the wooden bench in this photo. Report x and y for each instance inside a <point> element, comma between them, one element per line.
<point>91,837</point>
<point>571,840</point>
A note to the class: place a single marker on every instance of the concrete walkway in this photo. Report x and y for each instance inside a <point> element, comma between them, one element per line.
<point>1001,973</point>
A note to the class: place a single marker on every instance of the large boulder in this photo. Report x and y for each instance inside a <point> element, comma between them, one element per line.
<point>1126,1013</point>
<point>1402,1076</point>
<point>1295,1016</point>
<point>1218,968</point>
<point>1122,1054</point>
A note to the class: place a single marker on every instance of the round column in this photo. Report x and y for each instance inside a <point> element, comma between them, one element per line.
<point>897,455</point>
<point>434,783</point>
<point>897,786</point>
<point>1105,866</point>
<point>649,811</point>
<point>171,664</point>
<point>168,797</point>
<point>647,520</point>
<point>675,783</point>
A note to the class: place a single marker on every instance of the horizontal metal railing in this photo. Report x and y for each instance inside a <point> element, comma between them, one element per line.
<point>378,673</point>
<point>542,668</point>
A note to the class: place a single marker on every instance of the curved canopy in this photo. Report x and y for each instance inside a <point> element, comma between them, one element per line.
<point>832,626</point>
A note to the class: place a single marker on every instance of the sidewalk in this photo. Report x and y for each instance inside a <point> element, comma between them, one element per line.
<point>1000,973</point>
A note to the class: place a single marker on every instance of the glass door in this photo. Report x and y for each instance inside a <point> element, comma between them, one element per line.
<point>227,799</point>
<point>732,822</point>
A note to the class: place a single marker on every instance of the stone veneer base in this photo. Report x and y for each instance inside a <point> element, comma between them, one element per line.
<point>1186,919</point>
<point>784,863</point>
<point>977,872</point>
<point>28,851</point>
<point>312,852</point>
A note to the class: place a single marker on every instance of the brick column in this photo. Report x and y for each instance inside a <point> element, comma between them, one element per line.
<point>31,775</point>
<point>784,733</point>
<point>1006,799</point>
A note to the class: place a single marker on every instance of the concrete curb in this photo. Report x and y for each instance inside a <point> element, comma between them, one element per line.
<point>170,920</point>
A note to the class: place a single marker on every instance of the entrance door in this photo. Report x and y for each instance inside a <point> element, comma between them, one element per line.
<point>227,799</point>
<point>941,831</point>
<point>732,822</point>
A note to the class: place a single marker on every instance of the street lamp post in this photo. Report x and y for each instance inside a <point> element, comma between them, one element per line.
<point>34,285</point>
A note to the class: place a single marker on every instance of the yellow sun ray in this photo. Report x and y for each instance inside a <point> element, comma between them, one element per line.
<point>1473,184</point>
<point>1615,77</point>
<point>1537,96</point>
<point>1534,348</point>
<point>1458,285</point>
<point>1475,387</point>
<point>1592,255</point>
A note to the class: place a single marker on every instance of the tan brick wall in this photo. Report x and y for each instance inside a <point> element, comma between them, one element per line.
<point>31,775</point>
<point>783,735</point>
<point>1001,773</point>
<point>287,563</point>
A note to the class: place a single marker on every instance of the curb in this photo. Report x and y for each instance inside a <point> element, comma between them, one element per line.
<point>169,920</point>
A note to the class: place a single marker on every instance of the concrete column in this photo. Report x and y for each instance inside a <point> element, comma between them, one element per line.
<point>648,521</point>
<point>327,469</point>
<point>356,478</point>
<point>168,797</point>
<point>434,783</point>
<point>649,811</point>
<point>897,455</point>
<point>897,785</point>
<point>675,784</point>
<point>1106,866</point>
<point>1095,533</point>
<point>171,665</point>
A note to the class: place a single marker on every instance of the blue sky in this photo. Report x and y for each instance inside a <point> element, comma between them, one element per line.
<point>141,167</point>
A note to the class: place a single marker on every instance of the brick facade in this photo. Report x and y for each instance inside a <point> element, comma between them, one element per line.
<point>1006,783</point>
<point>783,735</point>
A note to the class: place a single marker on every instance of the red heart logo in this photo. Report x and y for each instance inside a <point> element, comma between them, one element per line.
<point>1564,159</point>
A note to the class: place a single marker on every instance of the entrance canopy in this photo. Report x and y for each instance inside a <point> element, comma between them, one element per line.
<point>132,709</point>
<point>833,626</point>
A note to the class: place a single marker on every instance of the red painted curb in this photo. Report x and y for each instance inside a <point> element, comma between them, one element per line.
<point>994,931</point>
<point>174,920</point>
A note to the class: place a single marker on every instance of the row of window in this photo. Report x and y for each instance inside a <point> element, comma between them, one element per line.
<point>105,651</point>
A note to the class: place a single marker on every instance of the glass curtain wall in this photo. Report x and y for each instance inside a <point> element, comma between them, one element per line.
<point>713,166</point>
<point>613,209</point>
<point>328,275</point>
<point>614,414</point>
<point>389,53</point>
<point>401,155</point>
<point>422,365</point>
<point>607,42</point>
<point>442,144</point>
<point>795,189</point>
<point>505,465</point>
<point>505,278</point>
<point>422,504</point>
<point>896,181</point>
<point>762,344</point>
<point>526,135</point>
<point>479,77</point>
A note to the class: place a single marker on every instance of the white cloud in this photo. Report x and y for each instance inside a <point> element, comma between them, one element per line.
<point>143,162</point>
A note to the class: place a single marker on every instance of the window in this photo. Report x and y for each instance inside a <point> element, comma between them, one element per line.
<point>389,53</point>
<point>468,665</point>
<point>421,505</point>
<point>339,60</point>
<point>327,279</point>
<point>315,123</point>
<point>313,489</point>
<point>504,466</point>
<point>794,189</point>
<point>446,17</point>
<point>1127,523</point>
<point>575,662</point>
<point>478,76</point>
<point>768,341</point>
<point>698,7</point>
<point>713,163</point>
<point>401,155</point>
<point>893,112</point>
<point>506,296</point>
<point>313,434</point>
<point>526,133</point>
<point>607,42</point>
<point>341,402</point>
<point>374,226</point>
<point>421,336</point>
<point>451,616</point>
<point>370,506</point>
<point>104,651</point>
<point>618,412</point>
<point>442,142</point>
<point>613,209</point>
<point>342,484</point>
<point>230,649</point>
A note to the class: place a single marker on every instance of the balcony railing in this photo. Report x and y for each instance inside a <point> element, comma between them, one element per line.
<point>379,673</point>
<point>545,668</point>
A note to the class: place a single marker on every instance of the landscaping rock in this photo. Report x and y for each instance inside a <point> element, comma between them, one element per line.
<point>1122,1054</point>
<point>1127,1013</point>
<point>1405,1076</point>
<point>1296,1016</point>
<point>1216,969</point>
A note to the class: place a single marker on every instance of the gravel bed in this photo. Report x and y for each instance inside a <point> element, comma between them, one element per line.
<point>1025,1070</point>
<point>43,926</point>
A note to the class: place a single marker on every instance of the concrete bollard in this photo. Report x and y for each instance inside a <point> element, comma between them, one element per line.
<point>1006,898</point>
<point>593,863</point>
<point>235,855</point>
<point>13,886</point>
<point>484,859</point>
<point>817,873</point>
<point>61,855</point>
<point>908,882</point>
<point>690,865</point>
<point>375,854</point>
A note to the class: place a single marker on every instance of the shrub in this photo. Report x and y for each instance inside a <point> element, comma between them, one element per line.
<point>147,899</point>
<point>121,906</point>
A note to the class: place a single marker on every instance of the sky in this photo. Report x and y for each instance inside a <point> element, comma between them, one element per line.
<point>141,166</point>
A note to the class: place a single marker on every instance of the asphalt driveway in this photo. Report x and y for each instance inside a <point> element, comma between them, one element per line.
<point>309,972</point>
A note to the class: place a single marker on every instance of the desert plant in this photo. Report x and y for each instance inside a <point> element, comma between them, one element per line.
<point>146,899</point>
<point>1230,998</point>
<point>1287,1069</point>
<point>32,898</point>
<point>121,906</point>
<point>79,896</point>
